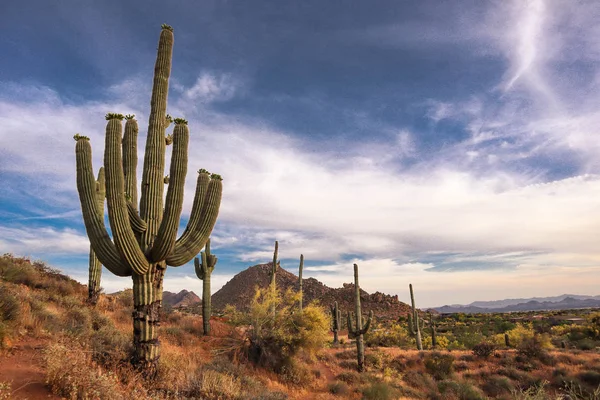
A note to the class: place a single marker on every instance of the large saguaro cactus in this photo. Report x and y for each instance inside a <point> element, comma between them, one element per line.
<point>414,326</point>
<point>144,242</point>
<point>204,270</point>
<point>95,266</point>
<point>358,331</point>
<point>336,321</point>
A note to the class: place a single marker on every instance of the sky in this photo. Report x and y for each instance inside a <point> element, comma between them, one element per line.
<point>451,145</point>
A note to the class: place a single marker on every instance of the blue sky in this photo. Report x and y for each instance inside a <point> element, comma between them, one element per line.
<point>449,145</point>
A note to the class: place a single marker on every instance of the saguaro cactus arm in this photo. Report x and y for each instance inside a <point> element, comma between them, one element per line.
<point>130,159</point>
<point>202,219</point>
<point>103,246</point>
<point>123,235</point>
<point>167,233</point>
<point>137,224</point>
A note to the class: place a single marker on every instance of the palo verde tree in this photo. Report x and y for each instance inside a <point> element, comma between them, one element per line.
<point>95,266</point>
<point>144,241</point>
<point>204,269</point>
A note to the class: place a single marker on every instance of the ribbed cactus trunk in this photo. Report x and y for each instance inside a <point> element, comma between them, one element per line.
<point>357,332</point>
<point>415,319</point>
<point>300,281</point>
<point>145,242</point>
<point>204,269</point>
<point>95,266</point>
<point>336,318</point>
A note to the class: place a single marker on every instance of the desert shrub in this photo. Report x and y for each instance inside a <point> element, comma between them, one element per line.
<point>519,333</point>
<point>460,390</point>
<point>535,392</point>
<point>376,359</point>
<point>439,365</point>
<point>296,372</point>
<point>78,321</point>
<point>535,347</point>
<point>394,336</point>
<point>420,381</point>
<point>214,385</point>
<point>71,373</point>
<point>379,391</point>
<point>18,270</point>
<point>275,338</point>
<point>339,388</point>
<point>590,377</point>
<point>484,349</point>
<point>496,385</point>
<point>442,342</point>
<point>346,355</point>
<point>350,377</point>
<point>348,364</point>
<point>586,344</point>
<point>109,345</point>
<point>10,306</point>
<point>5,391</point>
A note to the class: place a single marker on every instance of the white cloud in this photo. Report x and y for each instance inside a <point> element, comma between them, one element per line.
<point>42,241</point>
<point>213,87</point>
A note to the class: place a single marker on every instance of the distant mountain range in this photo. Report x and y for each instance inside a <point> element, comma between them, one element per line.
<point>562,302</point>
<point>239,292</point>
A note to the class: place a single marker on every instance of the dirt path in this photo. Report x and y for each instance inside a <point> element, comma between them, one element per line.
<point>22,367</point>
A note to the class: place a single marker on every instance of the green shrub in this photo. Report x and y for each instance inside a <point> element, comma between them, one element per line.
<point>10,307</point>
<point>394,336</point>
<point>439,365</point>
<point>460,390</point>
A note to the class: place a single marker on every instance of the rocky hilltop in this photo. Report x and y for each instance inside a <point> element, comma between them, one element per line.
<point>181,299</point>
<point>240,290</point>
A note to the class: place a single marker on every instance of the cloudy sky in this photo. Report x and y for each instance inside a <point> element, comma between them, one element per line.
<point>455,146</point>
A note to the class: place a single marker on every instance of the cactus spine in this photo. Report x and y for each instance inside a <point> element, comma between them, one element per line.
<point>204,269</point>
<point>300,280</point>
<point>415,320</point>
<point>336,321</point>
<point>145,242</point>
<point>95,266</point>
<point>358,331</point>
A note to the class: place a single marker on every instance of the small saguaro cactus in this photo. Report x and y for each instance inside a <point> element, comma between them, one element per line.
<point>95,266</point>
<point>415,328</point>
<point>144,240</point>
<point>336,321</point>
<point>300,281</point>
<point>357,332</point>
<point>433,331</point>
<point>204,268</point>
<point>506,340</point>
<point>273,275</point>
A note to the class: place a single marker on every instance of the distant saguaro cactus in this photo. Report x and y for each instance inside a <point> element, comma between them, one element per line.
<point>433,331</point>
<point>300,281</point>
<point>273,275</point>
<point>506,340</point>
<point>146,242</point>
<point>204,269</point>
<point>95,266</point>
<point>336,321</point>
<point>415,328</point>
<point>358,331</point>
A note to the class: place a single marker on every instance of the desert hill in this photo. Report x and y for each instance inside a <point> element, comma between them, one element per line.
<point>182,299</point>
<point>240,290</point>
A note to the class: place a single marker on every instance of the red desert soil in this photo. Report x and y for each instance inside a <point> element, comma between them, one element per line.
<point>22,366</point>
